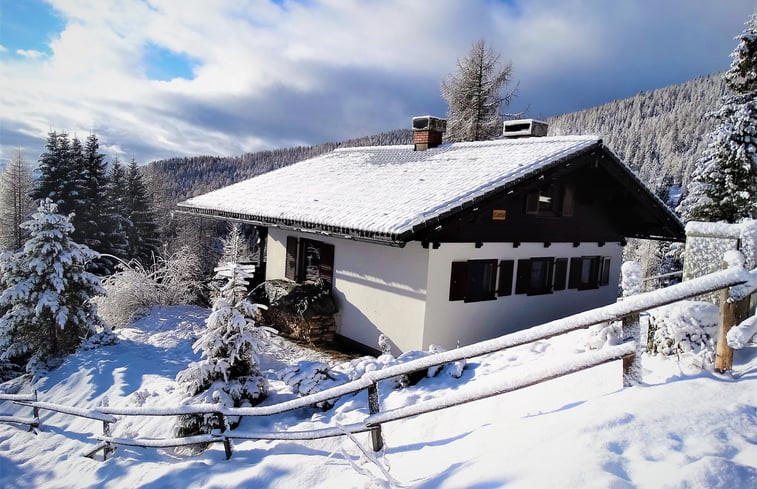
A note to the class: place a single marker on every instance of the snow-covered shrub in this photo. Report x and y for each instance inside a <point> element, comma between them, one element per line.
<point>684,329</point>
<point>308,378</point>
<point>133,289</point>
<point>47,298</point>
<point>312,377</point>
<point>742,335</point>
<point>229,371</point>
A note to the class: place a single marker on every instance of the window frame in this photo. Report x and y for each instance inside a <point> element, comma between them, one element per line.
<point>559,197</point>
<point>577,269</point>
<point>463,280</point>
<point>525,283</point>
<point>294,263</point>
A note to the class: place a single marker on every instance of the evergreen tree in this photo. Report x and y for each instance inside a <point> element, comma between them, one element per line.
<point>93,210</point>
<point>143,235</point>
<point>117,212</point>
<point>15,203</point>
<point>474,95</point>
<point>75,199</point>
<point>56,173</point>
<point>48,292</point>
<point>229,372</point>
<point>724,183</point>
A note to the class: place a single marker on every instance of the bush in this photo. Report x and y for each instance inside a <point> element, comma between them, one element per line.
<point>686,328</point>
<point>174,280</point>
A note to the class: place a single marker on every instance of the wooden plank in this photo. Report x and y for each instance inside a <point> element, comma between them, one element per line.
<point>17,397</point>
<point>315,434</point>
<point>160,443</point>
<point>19,420</point>
<point>73,411</point>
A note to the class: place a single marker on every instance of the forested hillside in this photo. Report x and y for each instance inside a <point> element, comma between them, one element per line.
<point>659,134</point>
<point>180,178</point>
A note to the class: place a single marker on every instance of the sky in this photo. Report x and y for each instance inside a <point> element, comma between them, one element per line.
<point>163,78</point>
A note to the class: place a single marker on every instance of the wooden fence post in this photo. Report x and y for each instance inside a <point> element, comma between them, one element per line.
<point>222,426</point>
<point>107,447</point>
<point>632,363</point>
<point>374,408</point>
<point>731,313</point>
<point>35,413</point>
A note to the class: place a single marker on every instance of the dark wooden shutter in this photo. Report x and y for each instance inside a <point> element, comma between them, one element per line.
<point>561,272</point>
<point>575,273</point>
<point>290,268</point>
<point>458,280</point>
<point>506,277</point>
<point>605,279</point>
<point>567,201</point>
<point>549,286</point>
<point>523,276</point>
<point>532,203</point>
<point>326,266</point>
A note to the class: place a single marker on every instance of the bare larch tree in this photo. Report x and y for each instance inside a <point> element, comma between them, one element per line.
<point>474,95</point>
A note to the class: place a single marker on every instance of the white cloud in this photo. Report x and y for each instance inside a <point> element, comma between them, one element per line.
<point>30,53</point>
<point>327,69</point>
<point>3,49</point>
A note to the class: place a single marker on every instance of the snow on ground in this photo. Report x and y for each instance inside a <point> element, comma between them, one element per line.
<point>677,430</point>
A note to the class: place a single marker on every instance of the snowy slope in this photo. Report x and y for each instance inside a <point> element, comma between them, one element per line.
<point>581,431</point>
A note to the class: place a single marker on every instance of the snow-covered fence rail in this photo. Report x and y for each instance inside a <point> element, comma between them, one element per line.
<point>106,419</point>
<point>32,422</point>
<point>626,310</point>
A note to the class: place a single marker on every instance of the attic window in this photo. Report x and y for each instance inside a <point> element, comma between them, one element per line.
<point>554,200</point>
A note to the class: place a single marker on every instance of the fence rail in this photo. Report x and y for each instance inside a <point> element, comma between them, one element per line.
<point>629,351</point>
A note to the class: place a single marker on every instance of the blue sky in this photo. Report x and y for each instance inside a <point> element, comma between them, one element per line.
<point>161,78</point>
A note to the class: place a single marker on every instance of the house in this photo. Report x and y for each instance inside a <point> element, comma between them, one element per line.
<point>451,244</point>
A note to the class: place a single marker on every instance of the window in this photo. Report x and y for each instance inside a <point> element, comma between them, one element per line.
<point>535,276</point>
<point>309,260</point>
<point>551,201</point>
<point>585,272</point>
<point>473,280</point>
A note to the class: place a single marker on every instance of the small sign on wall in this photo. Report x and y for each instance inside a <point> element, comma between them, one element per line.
<point>499,215</point>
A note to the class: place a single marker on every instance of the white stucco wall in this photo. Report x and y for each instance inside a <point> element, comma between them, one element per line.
<point>410,303</point>
<point>395,301</point>
<point>447,322</point>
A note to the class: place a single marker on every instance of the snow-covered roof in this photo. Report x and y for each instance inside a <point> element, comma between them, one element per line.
<point>384,192</point>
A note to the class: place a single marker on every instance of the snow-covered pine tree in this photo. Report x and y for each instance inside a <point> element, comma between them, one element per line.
<point>56,173</point>
<point>474,95</point>
<point>229,372</point>
<point>143,234</point>
<point>724,183</point>
<point>15,203</point>
<point>48,291</point>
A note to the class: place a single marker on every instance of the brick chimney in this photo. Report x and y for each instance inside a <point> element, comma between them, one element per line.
<point>427,132</point>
